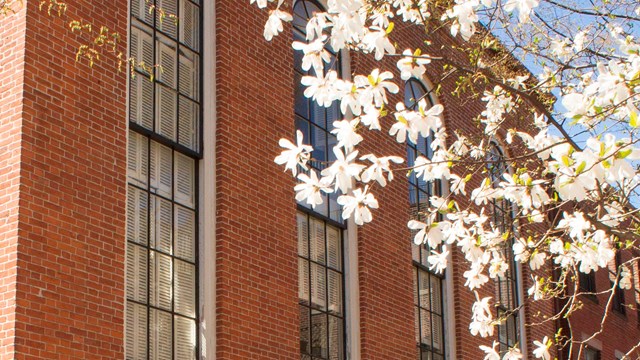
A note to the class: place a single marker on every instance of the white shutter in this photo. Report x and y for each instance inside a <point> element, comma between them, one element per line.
<point>184,338</point>
<point>303,235</point>
<point>167,24</point>
<point>335,292</point>
<point>189,73</point>
<point>160,284</point>
<point>318,286</point>
<point>160,337</point>
<point>425,324</point>
<point>189,24</point>
<point>141,46</point>
<point>136,331</point>
<point>137,215</point>
<point>303,280</point>
<point>185,288</point>
<point>636,282</point>
<point>141,101</point>
<point>137,159</point>
<point>334,248</point>
<point>185,233</point>
<point>166,115</point>
<point>161,169</point>
<point>437,331</point>
<point>167,61</point>
<point>317,242</point>
<point>140,9</point>
<point>189,120</point>
<point>436,295</point>
<point>185,170</point>
<point>161,221</point>
<point>335,339</point>
<point>136,273</point>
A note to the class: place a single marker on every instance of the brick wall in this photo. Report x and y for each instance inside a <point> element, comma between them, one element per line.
<point>11,85</point>
<point>70,288</point>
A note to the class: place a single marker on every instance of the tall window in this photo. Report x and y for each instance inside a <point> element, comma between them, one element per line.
<point>506,286</point>
<point>162,206</point>
<point>618,293</point>
<point>320,230</point>
<point>428,287</point>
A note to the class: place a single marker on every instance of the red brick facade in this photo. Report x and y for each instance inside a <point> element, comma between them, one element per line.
<point>63,160</point>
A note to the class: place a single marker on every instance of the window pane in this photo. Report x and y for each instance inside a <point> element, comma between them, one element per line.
<point>319,334</point>
<point>160,327</point>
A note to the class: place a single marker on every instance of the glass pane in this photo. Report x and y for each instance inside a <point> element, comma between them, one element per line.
<point>161,169</point>
<point>136,331</point>
<point>334,248</point>
<point>302,103</point>
<point>425,296</point>
<point>185,180</point>
<point>436,295</point>
<point>303,235</point>
<point>334,207</point>
<point>137,273</point>
<point>164,19</point>
<point>161,220</point>
<point>141,101</point>
<point>305,330</point>
<point>166,116</point>
<point>436,322</point>
<point>336,346</point>
<point>160,327</point>
<point>317,240</point>
<point>137,159</point>
<point>318,286</point>
<point>415,286</point>
<point>189,24</point>
<point>167,61</point>
<point>318,334</point>
<point>185,288</point>
<point>303,281</point>
<point>160,284</point>
<point>189,65</point>
<point>335,292</point>
<point>184,338</point>
<point>137,215</point>
<point>189,132</point>
<point>425,327</point>
<point>185,233</point>
<point>319,143</point>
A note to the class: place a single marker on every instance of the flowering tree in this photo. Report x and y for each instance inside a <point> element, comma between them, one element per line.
<point>572,188</point>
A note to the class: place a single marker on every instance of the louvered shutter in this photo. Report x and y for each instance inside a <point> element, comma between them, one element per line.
<point>303,280</point>
<point>166,116</point>
<point>437,331</point>
<point>188,132</point>
<point>335,292</point>
<point>636,285</point>
<point>161,220</point>
<point>318,286</point>
<point>167,61</point>
<point>141,46</point>
<point>185,233</point>
<point>317,241</point>
<point>334,248</point>
<point>140,9</point>
<point>184,338</point>
<point>161,277</point>
<point>189,73</point>
<point>137,159</point>
<point>136,331</point>
<point>303,235</point>
<point>137,215</point>
<point>436,295</point>
<point>161,169</point>
<point>335,339</point>
<point>136,273</point>
<point>425,323</point>
<point>189,24</point>
<point>185,180</point>
<point>141,101</point>
<point>167,24</point>
<point>160,337</point>
<point>185,288</point>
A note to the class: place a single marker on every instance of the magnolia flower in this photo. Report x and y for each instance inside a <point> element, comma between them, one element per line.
<point>309,189</point>
<point>536,289</point>
<point>343,170</point>
<point>625,278</point>
<point>274,23</point>
<point>314,54</point>
<point>412,65</point>
<point>375,87</point>
<point>320,89</point>
<point>458,184</point>
<point>481,318</point>
<point>358,204</point>
<point>438,260</point>
<point>524,8</point>
<point>377,41</point>
<point>346,134</point>
<point>542,349</point>
<point>491,352</point>
<point>295,155</point>
<point>513,354</point>
<point>379,166</point>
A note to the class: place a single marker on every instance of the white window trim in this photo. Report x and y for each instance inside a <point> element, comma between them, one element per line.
<point>207,220</point>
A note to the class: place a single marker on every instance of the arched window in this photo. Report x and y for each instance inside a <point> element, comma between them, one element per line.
<point>428,287</point>
<point>321,230</point>
<point>506,287</point>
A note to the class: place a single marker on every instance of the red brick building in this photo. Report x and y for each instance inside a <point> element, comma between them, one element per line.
<point>146,219</point>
